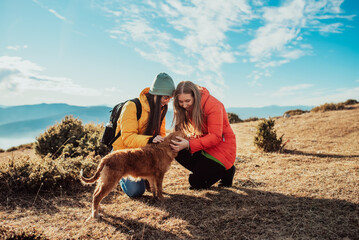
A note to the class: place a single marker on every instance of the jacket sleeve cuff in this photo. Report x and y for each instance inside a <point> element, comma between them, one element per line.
<point>191,146</point>
<point>150,140</point>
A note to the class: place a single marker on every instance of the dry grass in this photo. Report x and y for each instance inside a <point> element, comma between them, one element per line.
<point>311,191</point>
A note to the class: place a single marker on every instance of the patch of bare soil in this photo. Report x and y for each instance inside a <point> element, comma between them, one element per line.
<point>310,191</point>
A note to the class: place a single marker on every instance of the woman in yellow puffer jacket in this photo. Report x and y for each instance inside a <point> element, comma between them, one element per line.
<point>150,128</point>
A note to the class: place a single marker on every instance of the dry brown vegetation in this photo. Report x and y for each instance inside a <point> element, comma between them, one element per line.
<point>311,191</point>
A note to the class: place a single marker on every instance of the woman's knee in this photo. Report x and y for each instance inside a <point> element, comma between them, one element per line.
<point>133,188</point>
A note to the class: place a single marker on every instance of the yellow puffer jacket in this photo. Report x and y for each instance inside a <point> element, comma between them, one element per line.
<point>132,130</point>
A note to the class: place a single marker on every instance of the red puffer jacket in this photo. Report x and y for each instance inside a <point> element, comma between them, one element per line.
<point>218,138</point>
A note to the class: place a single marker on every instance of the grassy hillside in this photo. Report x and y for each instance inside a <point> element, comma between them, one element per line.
<point>311,191</point>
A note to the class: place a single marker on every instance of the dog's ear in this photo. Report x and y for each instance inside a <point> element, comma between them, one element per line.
<point>170,137</point>
<point>181,134</point>
<point>173,135</point>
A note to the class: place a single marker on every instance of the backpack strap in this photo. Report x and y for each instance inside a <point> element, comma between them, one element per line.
<point>138,107</point>
<point>138,114</point>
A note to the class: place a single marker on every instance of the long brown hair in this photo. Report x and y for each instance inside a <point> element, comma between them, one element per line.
<point>182,119</point>
<point>155,118</point>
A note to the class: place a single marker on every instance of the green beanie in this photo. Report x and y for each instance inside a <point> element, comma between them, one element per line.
<point>162,85</point>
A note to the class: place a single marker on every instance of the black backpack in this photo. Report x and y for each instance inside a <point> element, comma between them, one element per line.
<point>108,136</point>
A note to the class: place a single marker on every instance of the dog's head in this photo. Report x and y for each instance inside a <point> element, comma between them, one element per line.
<point>174,135</point>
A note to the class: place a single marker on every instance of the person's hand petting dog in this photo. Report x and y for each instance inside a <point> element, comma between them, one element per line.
<point>179,145</point>
<point>158,139</point>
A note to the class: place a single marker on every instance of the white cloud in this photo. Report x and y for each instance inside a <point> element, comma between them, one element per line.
<point>277,41</point>
<point>292,54</point>
<point>347,17</point>
<point>339,95</point>
<point>17,47</point>
<point>187,37</point>
<point>331,28</point>
<point>54,12</point>
<point>168,60</point>
<point>291,90</point>
<point>302,95</point>
<point>192,37</point>
<point>274,63</point>
<point>18,75</point>
<point>114,90</point>
<point>282,25</point>
<point>258,74</point>
<point>57,14</point>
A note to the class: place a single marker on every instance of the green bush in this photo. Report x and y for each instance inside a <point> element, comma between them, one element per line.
<point>63,150</point>
<point>350,102</point>
<point>71,139</point>
<point>233,118</point>
<point>251,119</point>
<point>266,137</point>
<point>89,143</point>
<point>31,174</point>
<point>295,112</point>
<point>21,147</point>
<point>53,140</point>
<point>328,107</point>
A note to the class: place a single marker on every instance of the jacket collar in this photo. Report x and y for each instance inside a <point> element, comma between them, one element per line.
<point>205,95</point>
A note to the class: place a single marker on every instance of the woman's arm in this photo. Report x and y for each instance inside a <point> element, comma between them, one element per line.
<point>213,112</point>
<point>129,127</point>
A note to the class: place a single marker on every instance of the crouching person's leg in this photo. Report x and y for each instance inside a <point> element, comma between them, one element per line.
<point>205,173</point>
<point>133,188</point>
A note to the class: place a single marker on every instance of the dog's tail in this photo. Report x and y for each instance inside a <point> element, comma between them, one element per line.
<point>94,177</point>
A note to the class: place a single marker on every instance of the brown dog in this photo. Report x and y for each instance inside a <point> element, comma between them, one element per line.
<point>150,162</point>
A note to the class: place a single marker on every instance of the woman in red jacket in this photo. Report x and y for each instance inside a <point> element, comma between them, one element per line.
<point>210,151</point>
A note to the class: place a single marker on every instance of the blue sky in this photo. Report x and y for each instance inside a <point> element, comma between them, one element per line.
<point>248,53</point>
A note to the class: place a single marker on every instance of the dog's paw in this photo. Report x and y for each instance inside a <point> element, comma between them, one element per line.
<point>91,218</point>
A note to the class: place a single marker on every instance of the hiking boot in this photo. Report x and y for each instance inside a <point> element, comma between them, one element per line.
<point>227,179</point>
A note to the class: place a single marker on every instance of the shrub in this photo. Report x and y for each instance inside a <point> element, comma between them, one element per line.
<point>328,107</point>
<point>2,150</point>
<point>295,112</point>
<point>21,147</point>
<point>53,140</point>
<point>31,174</point>
<point>251,119</point>
<point>71,139</point>
<point>233,118</point>
<point>266,137</point>
<point>63,150</point>
<point>12,149</point>
<point>9,232</point>
<point>89,143</point>
<point>350,102</point>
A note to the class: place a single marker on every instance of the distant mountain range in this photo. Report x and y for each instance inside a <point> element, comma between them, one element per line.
<point>22,124</point>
